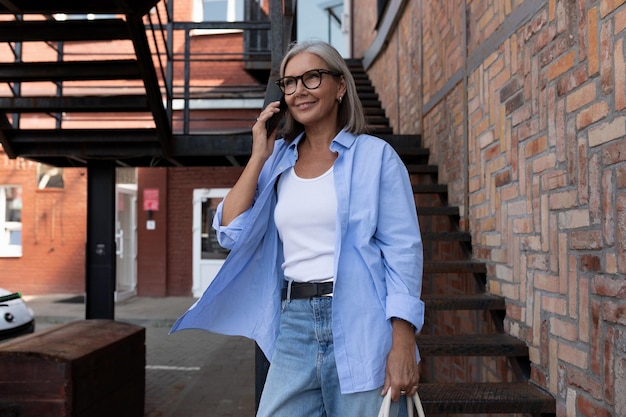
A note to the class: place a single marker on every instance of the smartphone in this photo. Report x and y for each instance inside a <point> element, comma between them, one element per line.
<point>273,122</point>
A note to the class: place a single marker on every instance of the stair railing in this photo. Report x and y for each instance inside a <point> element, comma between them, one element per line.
<point>16,88</point>
<point>161,33</point>
<point>179,95</point>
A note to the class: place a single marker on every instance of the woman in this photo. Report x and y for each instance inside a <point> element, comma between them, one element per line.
<point>326,256</point>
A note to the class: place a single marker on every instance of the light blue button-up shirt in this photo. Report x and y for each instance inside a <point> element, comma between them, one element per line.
<point>378,261</point>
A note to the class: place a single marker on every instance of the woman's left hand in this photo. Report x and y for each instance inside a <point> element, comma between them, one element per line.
<point>402,373</point>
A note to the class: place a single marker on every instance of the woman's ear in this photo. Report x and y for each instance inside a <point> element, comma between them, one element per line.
<point>342,89</point>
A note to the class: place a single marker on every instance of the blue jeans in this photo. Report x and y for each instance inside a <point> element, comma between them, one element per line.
<point>302,380</point>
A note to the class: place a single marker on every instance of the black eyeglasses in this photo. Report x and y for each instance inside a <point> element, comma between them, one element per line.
<point>310,80</point>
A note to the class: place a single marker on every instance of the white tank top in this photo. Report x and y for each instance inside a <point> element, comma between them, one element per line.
<point>305,216</point>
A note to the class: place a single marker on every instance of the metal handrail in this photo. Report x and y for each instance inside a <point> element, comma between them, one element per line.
<point>161,30</point>
<point>168,53</point>
<point>186,91</point>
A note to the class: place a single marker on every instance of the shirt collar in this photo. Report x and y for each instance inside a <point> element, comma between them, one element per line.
<point>343,139</point>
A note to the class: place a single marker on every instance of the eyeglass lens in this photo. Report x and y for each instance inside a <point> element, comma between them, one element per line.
<point>310,79</point>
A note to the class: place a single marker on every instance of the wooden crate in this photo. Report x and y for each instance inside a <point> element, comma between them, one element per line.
<point>87,368</point>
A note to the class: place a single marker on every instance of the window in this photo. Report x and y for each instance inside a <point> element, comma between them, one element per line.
<point>210,248</point>
<point>218,10</point>
<point>10,220</point>
<point>214,10</point>
<point>90,16</point>
<point>49,177</point>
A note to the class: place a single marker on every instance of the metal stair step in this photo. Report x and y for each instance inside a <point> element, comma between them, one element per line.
<point>377,120</point>
<point>365,89</point>
<point>457,236</point>
<point>373,103</point>
<point>430,188</point>
<point>354,63</point>
<point>404,143</point>
<point>419,169</point>
<point>438,211</point>
<point>77,136</point>
<point>70,30</point>
<point>373,111</point>
<point>357,72</point>
<point>367,97</point>
<point>380,130</point>
<point>471,345</point>
<point>127,103</point>
<point>361,79</point>
<point>414,151</point>
<point>48,7</point>
<point>476,398</point>
<point>447,267</point>
<point>464,302</point>
<point>125,69</point>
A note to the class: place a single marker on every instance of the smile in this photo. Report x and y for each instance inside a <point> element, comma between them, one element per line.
<point>305,105</point>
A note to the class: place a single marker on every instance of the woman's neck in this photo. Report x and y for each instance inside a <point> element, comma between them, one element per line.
<point>319,139</point>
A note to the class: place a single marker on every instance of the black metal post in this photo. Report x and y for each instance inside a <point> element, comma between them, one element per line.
<point>280,37</point>
<point>261,366</point>
<point>100,256</point>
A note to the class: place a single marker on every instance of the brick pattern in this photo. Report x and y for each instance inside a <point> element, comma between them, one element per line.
<point>53,232</point>
<point>542,169</point>
<point>152,244</point>
<point>442,33</point>
<point>484,17</point>
<point>400,72</point>
<point>443,136</point>
<point>364,17</point>
<point>554,121</point>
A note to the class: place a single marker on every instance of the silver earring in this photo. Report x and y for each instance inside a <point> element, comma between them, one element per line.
<point>340,99</point>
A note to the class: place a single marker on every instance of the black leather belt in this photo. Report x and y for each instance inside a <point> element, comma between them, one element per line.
<point>308,290</point>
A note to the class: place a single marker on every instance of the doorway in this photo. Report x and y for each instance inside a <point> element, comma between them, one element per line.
<point>126,241</point>
<point>208,255</point>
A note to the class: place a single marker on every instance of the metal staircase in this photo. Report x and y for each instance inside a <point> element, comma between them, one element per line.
<point>102,88</point>
<point>64,78</point>
<point>455,294</point>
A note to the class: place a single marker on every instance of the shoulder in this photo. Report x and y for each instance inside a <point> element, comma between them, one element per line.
<point>357,142</point>
<point>375,147</point>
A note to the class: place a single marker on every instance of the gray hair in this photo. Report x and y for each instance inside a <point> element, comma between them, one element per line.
<point>351,116</point>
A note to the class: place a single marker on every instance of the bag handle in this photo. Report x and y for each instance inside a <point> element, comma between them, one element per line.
<point>410,402</point>
<point>415,400</point>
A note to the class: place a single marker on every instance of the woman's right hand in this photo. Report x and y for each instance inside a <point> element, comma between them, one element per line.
<point>262,140</point>
<point>241,196</point>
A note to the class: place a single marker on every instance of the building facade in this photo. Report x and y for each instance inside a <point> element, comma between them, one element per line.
<point>43,209</point>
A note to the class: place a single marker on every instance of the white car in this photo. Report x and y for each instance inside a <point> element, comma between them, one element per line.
<point>16,318</point>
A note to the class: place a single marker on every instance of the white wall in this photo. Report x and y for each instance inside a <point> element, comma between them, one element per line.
<point>313,22</point>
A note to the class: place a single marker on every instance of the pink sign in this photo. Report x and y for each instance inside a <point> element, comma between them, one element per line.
<point>151,199</point>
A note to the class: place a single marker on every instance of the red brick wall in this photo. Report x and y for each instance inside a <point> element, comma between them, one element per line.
<point>181,182</point>
<point>152,244</point>
<point>538,110</point>
<point>53,232</point>
<point>363,18</point>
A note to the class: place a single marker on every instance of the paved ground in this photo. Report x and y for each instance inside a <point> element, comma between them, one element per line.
<point>189,373</point>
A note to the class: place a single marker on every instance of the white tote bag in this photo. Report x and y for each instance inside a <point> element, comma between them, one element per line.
<point>410,401</point>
